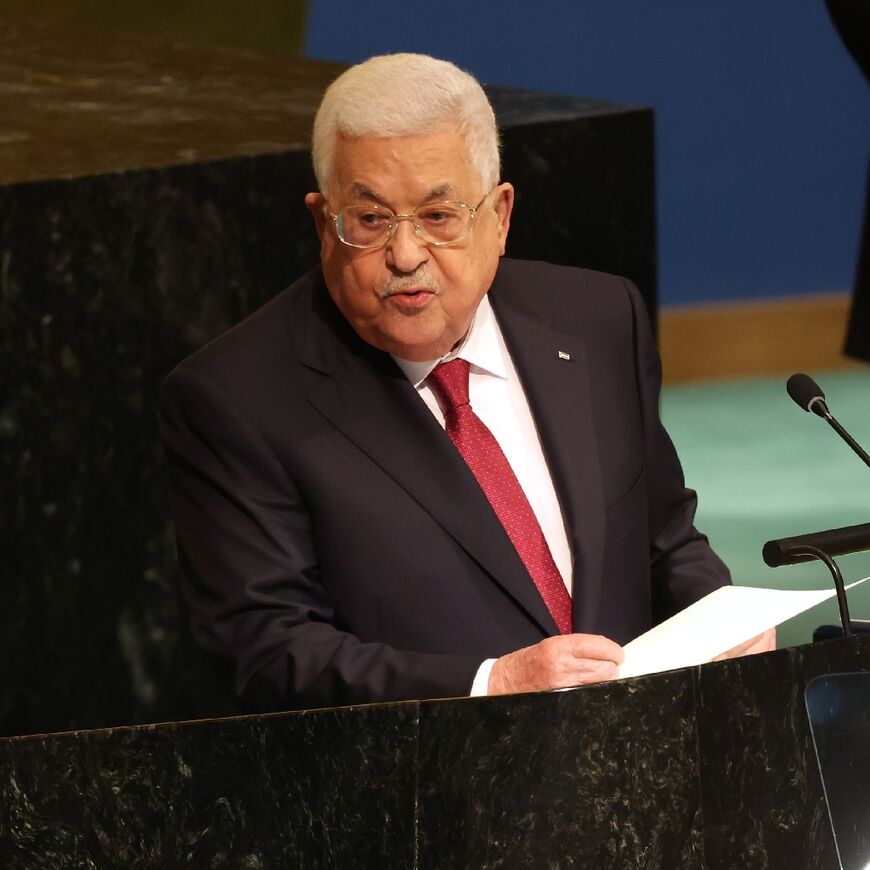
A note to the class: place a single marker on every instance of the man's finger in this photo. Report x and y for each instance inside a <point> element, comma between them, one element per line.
<point>594,646</point>
<point>764,642</point>
<point>555,663</point>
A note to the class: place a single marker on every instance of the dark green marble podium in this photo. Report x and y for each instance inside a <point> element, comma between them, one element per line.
<point>709,767</point>
<point>150,197</point>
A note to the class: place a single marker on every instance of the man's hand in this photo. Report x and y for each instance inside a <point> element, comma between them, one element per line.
<point>556,663</point>
<point>764,642</point>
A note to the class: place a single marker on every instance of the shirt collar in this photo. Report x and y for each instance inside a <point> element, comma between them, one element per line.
<point>481,346</point>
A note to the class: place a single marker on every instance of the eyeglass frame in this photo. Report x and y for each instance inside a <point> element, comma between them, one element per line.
<point>394,223</point>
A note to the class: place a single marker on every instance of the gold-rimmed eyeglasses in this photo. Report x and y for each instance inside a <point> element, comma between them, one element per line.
<point>436,223</point>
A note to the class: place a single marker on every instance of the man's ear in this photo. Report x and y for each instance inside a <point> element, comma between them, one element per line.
<point>503,207</point>
<point>315,203</point>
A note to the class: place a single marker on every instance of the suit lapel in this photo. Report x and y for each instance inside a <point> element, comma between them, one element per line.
<point>558,393</point>
<point>365,395</point>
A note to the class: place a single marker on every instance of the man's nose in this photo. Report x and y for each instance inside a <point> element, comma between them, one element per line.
<point>405,249</point>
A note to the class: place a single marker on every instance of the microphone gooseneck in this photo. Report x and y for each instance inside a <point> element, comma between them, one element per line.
<point>834,542</point>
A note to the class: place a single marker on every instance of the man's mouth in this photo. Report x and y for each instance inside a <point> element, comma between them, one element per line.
<point>413,297</point>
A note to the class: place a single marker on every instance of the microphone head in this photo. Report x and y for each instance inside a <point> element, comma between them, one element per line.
<point>807,393</point>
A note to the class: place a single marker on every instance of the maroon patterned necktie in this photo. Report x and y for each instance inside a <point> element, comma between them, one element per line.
<point>487,462</point>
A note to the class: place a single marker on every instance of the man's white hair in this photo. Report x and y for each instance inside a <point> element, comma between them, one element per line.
<point>406,95</point>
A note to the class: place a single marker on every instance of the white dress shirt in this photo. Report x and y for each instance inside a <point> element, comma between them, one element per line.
<point>498,399</point>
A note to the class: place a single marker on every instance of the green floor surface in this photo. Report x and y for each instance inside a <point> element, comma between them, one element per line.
<point>763,469</point>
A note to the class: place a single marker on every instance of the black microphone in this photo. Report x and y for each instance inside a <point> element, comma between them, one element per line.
<point>809,395</point>
<point>834,542</point>
<point>822,546</point>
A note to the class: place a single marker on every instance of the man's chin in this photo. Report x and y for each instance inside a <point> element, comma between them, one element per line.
<point>416,348</point>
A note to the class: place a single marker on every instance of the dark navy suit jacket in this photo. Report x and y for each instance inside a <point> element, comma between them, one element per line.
<point>337,549</point>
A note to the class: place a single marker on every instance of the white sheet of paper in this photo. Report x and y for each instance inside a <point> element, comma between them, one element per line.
<point>718,622</point>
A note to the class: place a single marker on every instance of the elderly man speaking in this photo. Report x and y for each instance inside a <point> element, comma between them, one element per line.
<point>423,470</point>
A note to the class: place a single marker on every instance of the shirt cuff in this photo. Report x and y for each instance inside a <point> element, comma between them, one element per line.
<point>480,686</point>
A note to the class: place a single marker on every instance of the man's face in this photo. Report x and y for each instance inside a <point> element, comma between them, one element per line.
<point>408,298</point>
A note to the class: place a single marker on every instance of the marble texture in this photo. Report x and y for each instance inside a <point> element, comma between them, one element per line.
<point>838,706</point>
<point>150,197</point>
<point>760,778</point>
<point>709,768</point>
<point>78,100</point>
<point>322,789</point>
<point>106,283</point>
<point>600,777</point>
<point>585,191</point>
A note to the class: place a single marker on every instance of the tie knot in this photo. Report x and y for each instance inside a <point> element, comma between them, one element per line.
<point>450,382</point>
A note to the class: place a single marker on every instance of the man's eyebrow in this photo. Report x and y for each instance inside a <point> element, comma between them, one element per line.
<point>362,190</point>
<point>435,194</point>
<point>440,192</point>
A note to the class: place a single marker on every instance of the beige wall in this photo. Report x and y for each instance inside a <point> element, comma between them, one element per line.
<point>743,339</point>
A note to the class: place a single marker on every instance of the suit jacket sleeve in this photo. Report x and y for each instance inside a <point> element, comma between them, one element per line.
<point>683,567</point>
<point>250,573</point>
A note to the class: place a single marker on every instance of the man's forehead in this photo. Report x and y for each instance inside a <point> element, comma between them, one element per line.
<point>403,171</point>
<point>444,146</point>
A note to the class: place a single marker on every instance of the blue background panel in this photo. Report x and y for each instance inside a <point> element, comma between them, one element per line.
<point>763,120</point>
